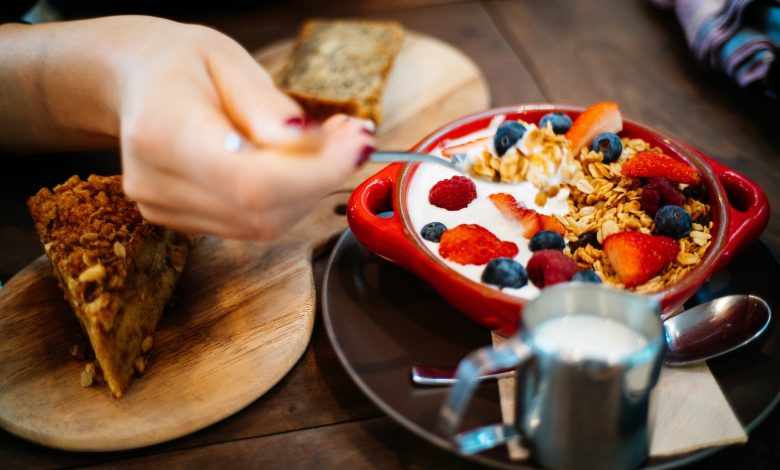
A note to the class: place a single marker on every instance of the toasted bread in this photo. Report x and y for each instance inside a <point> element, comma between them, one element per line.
<point>341,66</point>
<point>116,270</point>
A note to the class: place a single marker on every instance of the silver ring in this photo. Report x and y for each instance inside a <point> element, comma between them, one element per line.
<point>233,142</point>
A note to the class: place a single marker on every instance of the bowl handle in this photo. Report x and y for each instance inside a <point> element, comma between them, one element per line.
<point>385,236</point>
<point>747,206</point>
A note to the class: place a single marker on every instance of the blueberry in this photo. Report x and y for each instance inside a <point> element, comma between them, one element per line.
<point>696,192</point>
<point>546,240</point>
<point>587,238</point>
<point>673,221</point>
<point>507,135</point>
<point>587,275</point>
<point>505,272</point>
<point>432,231</point>
<point>560,122</point>
<point>609,144</point>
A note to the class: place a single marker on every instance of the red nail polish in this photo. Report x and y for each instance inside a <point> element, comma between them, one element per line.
<point>299,122</point>
<point>365,154</point>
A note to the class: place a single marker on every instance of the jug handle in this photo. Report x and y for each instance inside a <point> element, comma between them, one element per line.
<point>478,363</point>
<point>527,381</point>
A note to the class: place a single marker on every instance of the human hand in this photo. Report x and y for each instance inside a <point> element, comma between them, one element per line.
<point>185,92</point>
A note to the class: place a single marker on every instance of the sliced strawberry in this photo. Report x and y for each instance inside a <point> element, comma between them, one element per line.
<point>651,164</point>
<point>638,257</point>
<point>598,118</point>
<point>465,147</point>
<point>474,244</point>
<point>528,219</point>
<point>552,224</point>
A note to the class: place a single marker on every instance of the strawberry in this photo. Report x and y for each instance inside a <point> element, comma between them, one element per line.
<point>598,118</point>
<point>474,244</point>
<point>552,224</point>
<point>528,219</point>
<point>465,147</point>
<point>638,257</point>
<point>651,164</point>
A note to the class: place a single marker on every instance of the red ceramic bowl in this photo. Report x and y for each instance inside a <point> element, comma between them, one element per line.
<point>739,211</point>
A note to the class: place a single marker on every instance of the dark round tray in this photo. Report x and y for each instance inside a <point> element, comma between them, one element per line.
<point>382,319</point>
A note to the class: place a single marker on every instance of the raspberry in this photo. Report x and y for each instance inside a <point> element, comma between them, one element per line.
<point>453,194</point>
<point>548,267</point>
<point>659,192</point>
<point>473,244</point>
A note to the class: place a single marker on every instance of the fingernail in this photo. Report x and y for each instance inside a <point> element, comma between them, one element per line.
<point>299,123</point>
<point>367,131</point>
<point>365,154</point>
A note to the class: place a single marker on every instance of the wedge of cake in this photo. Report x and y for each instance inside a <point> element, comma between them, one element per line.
<point>341,66</point>
<point>116,270</point>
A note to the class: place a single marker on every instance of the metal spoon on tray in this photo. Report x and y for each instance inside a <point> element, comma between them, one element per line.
<point>695,335</point>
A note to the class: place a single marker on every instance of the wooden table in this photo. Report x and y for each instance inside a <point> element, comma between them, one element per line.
<point>530,51</point>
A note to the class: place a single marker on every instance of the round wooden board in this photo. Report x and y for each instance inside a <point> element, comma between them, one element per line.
<point>244,311</point>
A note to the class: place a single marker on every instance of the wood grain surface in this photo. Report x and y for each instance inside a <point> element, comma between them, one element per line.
<point>244,311</point>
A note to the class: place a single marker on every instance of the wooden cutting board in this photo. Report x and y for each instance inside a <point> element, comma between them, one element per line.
<point>244,311</point>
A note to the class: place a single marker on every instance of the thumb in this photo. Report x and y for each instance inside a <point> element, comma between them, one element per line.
<point>264,114</point>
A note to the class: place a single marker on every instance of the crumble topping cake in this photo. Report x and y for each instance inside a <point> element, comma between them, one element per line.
<point>116,270</point>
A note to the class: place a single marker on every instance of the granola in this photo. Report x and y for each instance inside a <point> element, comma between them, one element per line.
<point>606,202</point>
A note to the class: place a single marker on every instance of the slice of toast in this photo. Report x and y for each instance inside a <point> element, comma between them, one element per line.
<point>116,270</point>
<point>341,66</point>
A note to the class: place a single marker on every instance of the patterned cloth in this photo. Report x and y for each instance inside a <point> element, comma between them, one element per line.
<point>741,38</point>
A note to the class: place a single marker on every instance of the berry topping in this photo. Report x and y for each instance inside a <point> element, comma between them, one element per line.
<point>650,164</point>
<point>465,147</point>
<point>432,231</point>
<point>698,193</point>
<point>547,240</point>
<point>704,220</point>
<point>505,272</point>
<point>552,224</point>
<point>473,244</point>
<point>560,122</point>
<point>507,135</point>
<point>598,118</point>
<point>587,238</point>
<point>659,192</point>
<point>587,275</point>
<point>453,194</point>
<point>673,221</point>
<point>548,267</point>
<point>528,219</point>
<point>610,146</point>
<point>637,257</point>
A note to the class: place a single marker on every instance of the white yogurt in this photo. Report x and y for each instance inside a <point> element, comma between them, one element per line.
<point>480,211</point>
<point>579,336</point>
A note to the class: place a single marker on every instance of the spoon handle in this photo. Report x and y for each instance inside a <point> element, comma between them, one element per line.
<point>383,156</point>
<point>428,375</point>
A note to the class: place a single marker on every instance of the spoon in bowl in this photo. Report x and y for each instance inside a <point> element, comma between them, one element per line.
<point>692,336</point>
<point>459,162</point>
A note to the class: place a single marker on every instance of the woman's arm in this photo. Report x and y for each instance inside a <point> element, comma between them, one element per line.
<point>174,97</point>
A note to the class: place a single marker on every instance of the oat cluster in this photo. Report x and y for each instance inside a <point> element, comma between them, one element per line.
<point>540,156</point>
